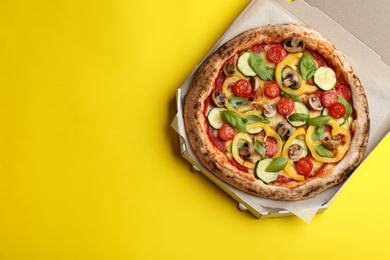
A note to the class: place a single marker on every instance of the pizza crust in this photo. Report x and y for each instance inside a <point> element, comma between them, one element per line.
<point>217,162</point>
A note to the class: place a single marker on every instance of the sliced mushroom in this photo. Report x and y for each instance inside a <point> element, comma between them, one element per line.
<point>247,150</point>
<point>295,151</point>
<point>219,99</point>
<point>284,129</point>
<point>292,79</point>
<point>331,143</point>
<point>255,81</point>
<point>229,69</point>
<point>295,44</point>
<point>314,103</point>
<point>269,110</point>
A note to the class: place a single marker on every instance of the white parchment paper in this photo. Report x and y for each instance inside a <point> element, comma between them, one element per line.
<point>373,73</point>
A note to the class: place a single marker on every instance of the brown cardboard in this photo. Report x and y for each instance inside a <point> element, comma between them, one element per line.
<point>367,64</point>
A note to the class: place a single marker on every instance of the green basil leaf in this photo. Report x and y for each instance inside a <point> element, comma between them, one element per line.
<point>257,64</point>
<point>319,120</point>
<point>234,119</point>
<point>348,107</point>
<point>259,146</point>
<point>323,151</point>
<point>318,133</point>
<point>298,117</point>
<point>237,102</point>
<point>307,65</point>
<point>293,96</point>
<point>255,119</point>
<point>277,164</point>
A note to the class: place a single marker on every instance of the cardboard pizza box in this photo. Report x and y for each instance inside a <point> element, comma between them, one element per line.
<point>354,29</point>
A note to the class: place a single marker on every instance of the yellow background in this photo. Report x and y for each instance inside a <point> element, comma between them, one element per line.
<point>91,169</point>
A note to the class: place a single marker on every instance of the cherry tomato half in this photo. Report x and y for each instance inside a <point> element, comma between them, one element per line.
<point>337,110</point>
<point>329,98</point>
<point>271,147</point>
<point>242,88</point>
<point>304,166</point>
<point>277,54</point>
<point>285,106</point>
<point>271,89</point>
<point>226,132</point>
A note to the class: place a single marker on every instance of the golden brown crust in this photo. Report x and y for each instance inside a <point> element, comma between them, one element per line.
<point>217,162</point>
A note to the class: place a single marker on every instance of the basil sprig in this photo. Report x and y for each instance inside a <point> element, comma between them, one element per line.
<point>277,164</point>
<point>234,119</point>
<point>319,120</point>
<point>237,102</point>
<point>257,64</point>
<point>255,119</point>
<point>307,65</point>
<point>348,107</point>
<point>258,146</point>
<point>323,151</point>
<point>298,117</point>
<point>293,96</point>
<point>318,133</point>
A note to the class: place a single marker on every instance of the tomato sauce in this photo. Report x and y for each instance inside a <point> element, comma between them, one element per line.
<point>342,89</point>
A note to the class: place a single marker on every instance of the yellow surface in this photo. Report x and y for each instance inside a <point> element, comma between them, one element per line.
<point>90,168</point>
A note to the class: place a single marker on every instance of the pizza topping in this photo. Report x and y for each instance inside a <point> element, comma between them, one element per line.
<point>292,79</point>
<point>271,89</point>
<point>243,65</point>
<point>242,88</point>
<point>284,129</point>
<point>215,117</point>
<point>285,106</point>
<point>247,150</point>
<point>295,44</point>
<point>304,166</point>
<point>299,116</point>
<point>269,110</point>
<point>226,132</point>
<point>325,78</point>
<point>262,174</point>
<point>331,142</point>
<point>255,82</point>
<point>329,98</point>
<point>337,110</point>
<point>277,54</point>
<point>295,151</point>
<point>314,103</point>
<point>219,99</point>
<point>229,69</point>
<point>271,147</point>
<point>307,65</point>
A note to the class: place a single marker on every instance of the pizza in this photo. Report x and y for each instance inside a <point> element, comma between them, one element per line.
<point>277,112</point>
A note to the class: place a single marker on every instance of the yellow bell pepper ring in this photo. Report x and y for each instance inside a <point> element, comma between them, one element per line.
<point>292,60</point>
<point>340,151</point>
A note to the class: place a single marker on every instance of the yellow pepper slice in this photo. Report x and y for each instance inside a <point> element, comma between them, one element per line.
<point>236,156</point>
<point>341,150</point>
<point>292,60</point>
<point>289,141</point>
<point>292,173</point>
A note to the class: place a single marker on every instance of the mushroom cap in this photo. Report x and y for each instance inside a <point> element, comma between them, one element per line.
<point>295,151</point>
<point>295,44</point>
<point>229,69</point>
<point>219,99</point>
<point>269,110</point>
<point>247,150</point>
<point>331,143</point>
<point>314,103</point>
<point>292,79</point>
<point>284,129</point>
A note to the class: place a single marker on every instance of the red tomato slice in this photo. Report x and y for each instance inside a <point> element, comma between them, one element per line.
<point>337,110</point>
<point>271,147</point>
<point>329,98</point>
<point>226,132</point>
<point>242,88</point>
<point>304,166</point>
<point>285,106</point>
<point>277,54</point>
<point>271,89</point>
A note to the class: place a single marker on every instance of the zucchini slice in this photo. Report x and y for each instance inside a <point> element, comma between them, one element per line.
<point>325,78</point>
<point>340,121</point>
<point>215,117</point>
<point>303,144</point>
<point>301,109</point>
<point>266,177</point>
<point>243,65</point>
